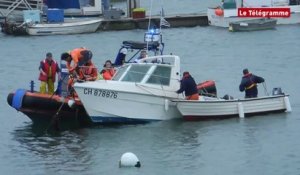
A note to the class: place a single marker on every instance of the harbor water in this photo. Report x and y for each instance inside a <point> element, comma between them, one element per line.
<point>266,144</point>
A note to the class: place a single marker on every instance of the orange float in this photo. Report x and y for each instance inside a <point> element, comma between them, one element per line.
<point>219,12</point>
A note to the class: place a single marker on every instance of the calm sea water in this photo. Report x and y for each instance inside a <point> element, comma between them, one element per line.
<point>258,145</point>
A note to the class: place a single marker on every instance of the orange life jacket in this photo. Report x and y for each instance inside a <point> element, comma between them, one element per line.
<point>107,74</point>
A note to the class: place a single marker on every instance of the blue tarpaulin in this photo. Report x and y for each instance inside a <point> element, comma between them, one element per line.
<point>63,4</point>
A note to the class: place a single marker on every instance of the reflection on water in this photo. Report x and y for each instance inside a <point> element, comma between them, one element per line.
<point>64,151</point>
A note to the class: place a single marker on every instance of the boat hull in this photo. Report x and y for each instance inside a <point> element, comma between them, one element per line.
<point>197,110</point>
<point>41,108</point>
<point>130,104</point>
<point>76,27</point>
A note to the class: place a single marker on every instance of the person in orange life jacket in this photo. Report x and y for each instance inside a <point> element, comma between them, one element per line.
<point>48,69</point>
<point>90,72</point>
<point>189,86</point>
<point>78,57</point>
<point>249,84</point>
<point>108,71</point>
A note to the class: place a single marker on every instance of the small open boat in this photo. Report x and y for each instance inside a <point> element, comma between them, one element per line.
<point>68,27</point>
<point>252,25</point>
<point>211,108</point>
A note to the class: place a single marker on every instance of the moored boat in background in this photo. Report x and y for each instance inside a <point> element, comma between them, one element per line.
<point>227,11</point>
<point>64,28</point>
<point>252,25</point>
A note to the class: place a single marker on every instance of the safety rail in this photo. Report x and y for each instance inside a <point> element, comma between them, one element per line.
<point>8,6</point>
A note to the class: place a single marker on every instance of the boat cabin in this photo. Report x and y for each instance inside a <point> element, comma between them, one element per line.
<point>157,70</point>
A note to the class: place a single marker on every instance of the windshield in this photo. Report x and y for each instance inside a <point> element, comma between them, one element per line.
<point>133,73</point>
<point>161,75</point>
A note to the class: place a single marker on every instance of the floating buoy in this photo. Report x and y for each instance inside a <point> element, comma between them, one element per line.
<point>129,160</point>
<point>71,103</point>
<point>219,12</point>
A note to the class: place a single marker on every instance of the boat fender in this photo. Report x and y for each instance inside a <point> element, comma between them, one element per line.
<point>287,104</point>
<point>241,110</point>
<point>18,98</point>
<point>166,104</point>
<point>71,103</point>
<point>219,12</point>
<point>129,160</point>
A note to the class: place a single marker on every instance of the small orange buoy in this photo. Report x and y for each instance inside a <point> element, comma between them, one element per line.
<point>219,12</point>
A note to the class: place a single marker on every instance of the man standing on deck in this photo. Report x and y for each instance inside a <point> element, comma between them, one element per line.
<point>249,84</point>
<point>189,86</point>
<point>48,69</point>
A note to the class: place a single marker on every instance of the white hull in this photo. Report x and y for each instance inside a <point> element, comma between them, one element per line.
<point>132,103</point>
<point>137,93</point>
<point>230,15</point>
<point>194,110</point>
<point>76,27</point>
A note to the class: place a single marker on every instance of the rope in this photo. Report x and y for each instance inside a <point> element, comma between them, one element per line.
<point>55,118</point>
<point>265,87</point>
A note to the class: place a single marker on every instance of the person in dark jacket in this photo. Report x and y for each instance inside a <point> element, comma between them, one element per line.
<point>249,84</point>
<point>189,86</point>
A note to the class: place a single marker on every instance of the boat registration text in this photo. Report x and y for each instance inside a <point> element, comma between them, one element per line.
<point>100,93</point>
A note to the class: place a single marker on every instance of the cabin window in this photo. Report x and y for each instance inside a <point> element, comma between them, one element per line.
<point>136,73</point>
<point>161,75</point>
<point>120,72</point>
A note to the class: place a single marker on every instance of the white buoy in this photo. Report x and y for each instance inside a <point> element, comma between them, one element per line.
<point>241,110</point>
<point>129,160</point>
<point>287,104</point>
<point>71,103</point>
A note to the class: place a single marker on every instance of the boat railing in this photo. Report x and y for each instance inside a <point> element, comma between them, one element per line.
<point>161,59</point>
<point>9,6</point>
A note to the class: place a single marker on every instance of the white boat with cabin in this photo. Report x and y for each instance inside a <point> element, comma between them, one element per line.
<point>227,11</point>
<point>138,92</point>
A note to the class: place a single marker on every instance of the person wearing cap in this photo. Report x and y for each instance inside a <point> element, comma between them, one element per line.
<point>48,69</point>
<point>249,84</point>
<point>189,86</point>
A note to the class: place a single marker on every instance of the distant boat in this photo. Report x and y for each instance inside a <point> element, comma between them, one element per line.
<point>252,25</point>
<point>72,27</point>
<point>227,11</point>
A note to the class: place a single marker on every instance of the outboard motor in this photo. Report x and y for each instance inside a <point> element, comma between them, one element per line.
<point>207,88</point>
<point>277,91</point>
<point>228,97</point>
